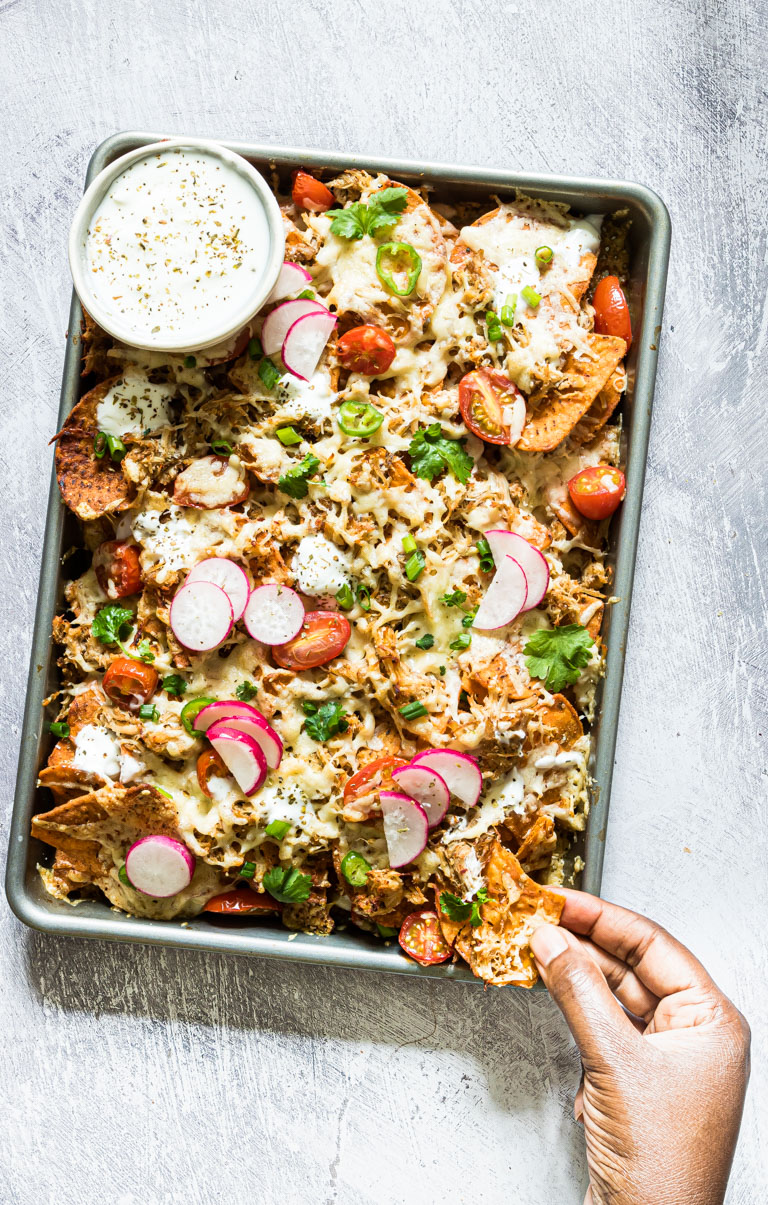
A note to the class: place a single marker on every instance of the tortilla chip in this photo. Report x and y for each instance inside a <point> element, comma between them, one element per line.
<point>538,845</point>
<point>557,721</point>
<point>112,817</point>
<point>562,408</point>
<point>89,487</point>
<point>601,409</point>
<point>498,949</point>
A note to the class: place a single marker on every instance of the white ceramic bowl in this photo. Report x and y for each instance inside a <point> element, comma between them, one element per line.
<point>230,321</point>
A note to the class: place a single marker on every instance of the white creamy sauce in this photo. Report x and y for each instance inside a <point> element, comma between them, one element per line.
<point>550,761</point>
<point>133,406</point>
<point>319,566</point>
<point>97,751</point>
<point>505,796</point>
<point>130,767</point>
<point>305,399</point>
<point>180,237</point>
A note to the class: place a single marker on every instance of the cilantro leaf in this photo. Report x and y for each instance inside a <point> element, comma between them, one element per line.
<point>454,599</point>
<point>381,212</point>
<point>456,908</point>
<point>327,721</point>
<point>431,452</point>
<point>557,655</point>
<point>247,691</point>
<point>348,223</point>
<point>426,641</point>
<point>174,685</point>
<point>288,886</point>
<point>111,622</point>
<point>294,482</point>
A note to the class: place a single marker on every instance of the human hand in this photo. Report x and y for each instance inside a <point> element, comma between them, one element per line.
<point>663,1087</point>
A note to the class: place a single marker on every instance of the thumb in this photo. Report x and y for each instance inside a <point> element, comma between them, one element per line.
<point>577,985</point>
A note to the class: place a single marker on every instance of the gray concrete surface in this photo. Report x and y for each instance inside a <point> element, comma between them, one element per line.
<point>142,1077</point>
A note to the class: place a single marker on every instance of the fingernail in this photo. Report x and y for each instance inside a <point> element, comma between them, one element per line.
<point>547,942</point>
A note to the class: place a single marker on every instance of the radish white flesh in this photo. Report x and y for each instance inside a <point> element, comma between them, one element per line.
<point>228,576</point>
<point>292,279</point>
<point>426,786</point>
<point>159,866</point>
<point>305,341</point>
<point>505,597</point>
<point>405,827</point>
<point>460,772</point>
<point>241,754</point>
<point>201,616</point>
<point>533,564</point>
<point>254,726</point>
<point>279,322</point>
<point>514,418</point>
<point>274,614</point>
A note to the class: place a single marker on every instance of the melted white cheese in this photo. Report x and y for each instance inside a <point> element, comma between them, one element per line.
<point>319,567</point>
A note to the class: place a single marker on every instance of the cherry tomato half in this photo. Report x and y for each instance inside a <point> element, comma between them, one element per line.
<point>365,785</point>
<point>241,901</point>
<point>421,938</point>
<point>309,193</point>
<point>366,349</point>
<point>117,568</point>
<point>130,683</point>
<point>597,492</point>
<point>208,764</point>
<point>483,396</point>
<point>322,637</point>
<point>611,310</point>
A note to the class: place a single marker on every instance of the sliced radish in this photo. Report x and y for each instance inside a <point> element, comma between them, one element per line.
<point>460,772</point>
<point>274,614</point>
<point>405,827</point>
<point>292,279</point>
<point>241,754</point>
<point>426,786</point>
<point>201,616</point>
<point>253,724</point>
<point>228,576</point>
<point>305,341</point>
<point>279,322</point>
<point>531,561</point>
<point>505,597</point>
<point>159,866</point>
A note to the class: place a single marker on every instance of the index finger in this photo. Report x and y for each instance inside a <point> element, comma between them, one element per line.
<point>661,962</point>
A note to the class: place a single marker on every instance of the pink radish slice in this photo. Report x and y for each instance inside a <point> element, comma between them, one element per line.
<point>241,754</point>
<point>228,576</point>
<point>305,342</point>
<point>254,726</point>
<point>159,866</point>
<point>222,710</point>
<point>279,322</point>
<point>201,616</point>
<point>426,786</point>
<point>405,827</point>
<point>505,597</point>
<point>292,279</point>
<point>460,772</point>
<point>274,614</point>
<point>531,561</point>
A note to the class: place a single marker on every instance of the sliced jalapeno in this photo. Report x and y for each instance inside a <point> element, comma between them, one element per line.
<point>189,713</point>
<point>355,868</point>
<point>400,258</point>
<point>359,418</point>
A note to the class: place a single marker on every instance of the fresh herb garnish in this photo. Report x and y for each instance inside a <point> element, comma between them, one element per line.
<point>148,711</point>
<point>363,595</point>
<point>174,685</point>
<point>431,452</point>
<point>294,482</point>
<point>456,908</point>
<point>268,374</point>
<point>255,349</point>
<point>327,721</point>
<point>103,443</point>
<point>246,691</point>
<point>288,886</point>
<point>278,829</point>
<point>426,641</point>
<point>412,711</point>
<point>454,599</point>
<point>122,875</point>
<point>414,566</point>
<point>557,655</point>
<point>380,213</point>
<point>190,362</point>
<point>112,623</point>
<point>344,597</point>
<point>221,447</point>
<point>462,641</point>
<point>355,868</point>
<point>59,729</point>
<point>469,617</point>
<point>247,870</point>
<point>487,563</point>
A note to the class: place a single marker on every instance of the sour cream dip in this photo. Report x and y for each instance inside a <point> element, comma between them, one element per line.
<point>175,246</point>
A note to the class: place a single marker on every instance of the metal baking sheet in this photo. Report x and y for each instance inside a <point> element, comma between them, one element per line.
<point>650,237</point>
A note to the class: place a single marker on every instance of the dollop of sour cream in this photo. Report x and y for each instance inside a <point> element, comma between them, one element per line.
<point>179,237</point>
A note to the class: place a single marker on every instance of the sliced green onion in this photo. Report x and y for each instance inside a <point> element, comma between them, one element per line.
<point>288,436</point>
<point>426,641</point>
<point>122,875</point>
<point>495,333</point>
<point>104,443</point>
<point>355,868</point>
<point>59,729</point>
<point>305,294</point>
<point>221,447</point>
<point>409,544</point>
<point>359,418</point>
<point>544,255</point>
<point>363,595</point>
<point>531,296</point>
<point>508,315</point>
<point>163,791</point>
<point>190,362</point>
<point>401,258</point>
<point>247,870</point>
<point>462,641</point>
<point>255,350</point>
<point>412,711</point>
<point>415,565</point>
<point>469,618</point>
<point>100,445</point>
<point>190,710</point>
<point>278,829</point>
<point>386,930</point>
<point>487,563</point>
<point>345,598</point>
<point>268,374</point>
<point>148,711</point>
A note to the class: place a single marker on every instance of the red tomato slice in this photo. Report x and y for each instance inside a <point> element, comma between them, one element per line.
<point>117,568</point>
<point>366,349</point>
<point>611,310</point>
<point>209,763</point>
<point>322,637</point>
<point>598,491</point>
<point>309,193</point>
<point>130,683</point>
<point>241,901</point>
<point>422,938</point>
<point>482,398</point>
<point>376,774</point>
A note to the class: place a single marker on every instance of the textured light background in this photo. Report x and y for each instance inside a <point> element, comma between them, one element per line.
<point>143,1077</point>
